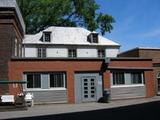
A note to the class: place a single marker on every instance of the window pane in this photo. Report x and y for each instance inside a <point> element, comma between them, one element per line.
<point>95,38</point>
<point>118,78</point>
<point>37,81</point>
<point>33,81</point>
<point>101,53</point>
<point>39,52</point>
<point>44,52</point>
<point>29,81</point>
<point>136,78</point>
<point>47,37</point>
<point>56,80</point>
<point>72,53</point>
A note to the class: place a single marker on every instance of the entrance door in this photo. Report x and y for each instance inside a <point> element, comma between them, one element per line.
<point>88,89</point>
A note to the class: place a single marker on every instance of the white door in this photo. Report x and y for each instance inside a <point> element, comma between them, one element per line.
<point>88,89</point>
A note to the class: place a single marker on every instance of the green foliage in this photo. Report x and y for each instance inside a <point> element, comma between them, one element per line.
<point>39,14</point>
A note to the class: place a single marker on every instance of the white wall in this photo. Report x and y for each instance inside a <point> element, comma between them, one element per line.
<point>63,52</point>
<point>112,52</point>
<point>57,52</point>
<point>30,52</point>
<point>86,52</point>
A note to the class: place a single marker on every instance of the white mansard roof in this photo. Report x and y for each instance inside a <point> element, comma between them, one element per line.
<point>67,36</point>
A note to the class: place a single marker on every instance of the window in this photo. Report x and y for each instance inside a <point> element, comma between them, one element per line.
<point>33,81</point>
<point>136,78</point>
<point>20,50</point>
<point>158,76</point>
<point>127,78</point>
<point>72,53</point>
<point>118,78</point>
<point>57,80</point>
<point>41,52</point>
<point>93,38</point>
<point>101,53</point>
<point>15,47</point>
<point>47,37</point>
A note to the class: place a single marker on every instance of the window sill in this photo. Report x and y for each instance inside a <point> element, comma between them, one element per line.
<point>40,89</point>
<point>119,86</point>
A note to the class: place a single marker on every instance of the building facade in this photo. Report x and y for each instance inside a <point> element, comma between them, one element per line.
<point>152,53</point>
<point>70,65</point>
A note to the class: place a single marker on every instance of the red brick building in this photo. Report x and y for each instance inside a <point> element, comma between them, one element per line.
<point>73,72</point>
<point>89,68</point>
<point>12,31</point>
<point>152,53</point>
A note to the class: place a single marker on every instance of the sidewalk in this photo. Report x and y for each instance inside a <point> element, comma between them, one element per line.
<point>51,109</point>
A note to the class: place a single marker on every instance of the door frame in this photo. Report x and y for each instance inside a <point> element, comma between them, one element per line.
<point>78,86</point>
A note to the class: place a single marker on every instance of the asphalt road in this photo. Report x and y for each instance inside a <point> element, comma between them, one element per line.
<point>146,111</point>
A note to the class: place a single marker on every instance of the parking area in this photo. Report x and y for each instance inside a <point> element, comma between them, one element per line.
<point>53,109</point>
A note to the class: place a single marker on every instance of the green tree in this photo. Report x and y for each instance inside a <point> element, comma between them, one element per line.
<point>39,14</point>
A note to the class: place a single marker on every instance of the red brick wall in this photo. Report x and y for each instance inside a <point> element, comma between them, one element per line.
<point>106,80</point>
<point>131,63</point>
<point>138,64</point>
<point>150,84</point>
<point>18,67</point>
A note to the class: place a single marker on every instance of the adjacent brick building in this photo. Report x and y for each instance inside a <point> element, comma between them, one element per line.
<point>152,53</point>
<point>11,34</point>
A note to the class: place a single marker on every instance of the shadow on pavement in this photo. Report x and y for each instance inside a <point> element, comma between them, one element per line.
<point>147,111</point>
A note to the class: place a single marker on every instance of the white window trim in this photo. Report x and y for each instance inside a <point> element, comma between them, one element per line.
<point>40,89</point>
<point>133,85</point>
<point>125,85</point>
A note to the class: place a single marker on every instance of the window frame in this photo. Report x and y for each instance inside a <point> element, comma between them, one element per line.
<point>133,78</point>
<point>42,52</point>
<point>101,53</point>
<point>33,74</point>
<point>127,79</point>
<point>63,78</point>
<point>72,53</point>
<point>46,34</point>
<point>116,82</point>
<point>94,38</point>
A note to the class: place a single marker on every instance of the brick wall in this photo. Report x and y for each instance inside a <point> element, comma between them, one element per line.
<point>17,68</point>
<point>9,30</point>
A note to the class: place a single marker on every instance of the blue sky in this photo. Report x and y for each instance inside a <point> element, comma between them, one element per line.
<point>137,22</point>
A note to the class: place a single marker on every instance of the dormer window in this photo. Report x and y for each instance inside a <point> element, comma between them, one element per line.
<point>46,36</point>
<point>92,38</point>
